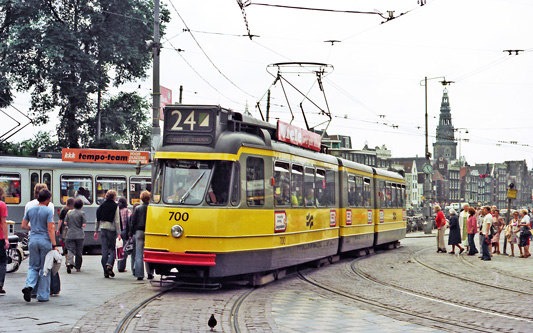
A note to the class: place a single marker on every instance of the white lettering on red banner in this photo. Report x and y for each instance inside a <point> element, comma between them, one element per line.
<point>298,136</point>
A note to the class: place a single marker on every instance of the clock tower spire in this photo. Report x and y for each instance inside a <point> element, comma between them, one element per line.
<point>445,144</point>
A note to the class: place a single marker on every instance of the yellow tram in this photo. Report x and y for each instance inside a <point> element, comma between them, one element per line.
<point>233,195</point>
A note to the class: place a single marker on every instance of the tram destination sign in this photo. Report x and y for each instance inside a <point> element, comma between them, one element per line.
<point>298,136</point>
<point>105,156</point>
<point>189,125</point>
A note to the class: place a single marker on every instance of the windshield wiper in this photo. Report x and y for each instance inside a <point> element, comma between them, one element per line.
<point>186,195</point>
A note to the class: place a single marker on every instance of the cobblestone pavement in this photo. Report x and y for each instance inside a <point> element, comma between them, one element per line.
<point>90,303</point>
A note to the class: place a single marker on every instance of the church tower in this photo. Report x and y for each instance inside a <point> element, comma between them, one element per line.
<point>445,145</point>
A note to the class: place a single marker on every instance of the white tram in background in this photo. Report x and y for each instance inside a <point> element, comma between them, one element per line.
<point>18,176</point>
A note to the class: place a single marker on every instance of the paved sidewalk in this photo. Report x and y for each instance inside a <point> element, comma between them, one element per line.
<point>81,293</point>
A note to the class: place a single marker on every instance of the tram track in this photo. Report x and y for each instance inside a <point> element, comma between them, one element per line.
<point>369,301</point>
<point>414,257</point>
<point>499,271</point>
<point>124,324</point>
<point>234,315</point>
<point>126,321</point>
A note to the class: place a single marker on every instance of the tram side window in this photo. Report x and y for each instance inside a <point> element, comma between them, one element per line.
<point>235,185</point>
<point>106,183</point>
<point>255,181</point>
<point>79,187</point>
<point>320,188</point>
<point>309,187</point>
<point>352,192</point>
<point>297,186</point>
<point>10,182</point>
<point>382,194</point>
<point>137,185</point>
<point>330,188</point>
<point>34,180</point>
<point>158,179</point>
<point>367,193</point>
<point>394,196</point>
<point>402,196</point>
<point>218,192</point>
<point>282,181</point>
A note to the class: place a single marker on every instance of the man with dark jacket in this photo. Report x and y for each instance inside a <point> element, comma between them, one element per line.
<point>138,223</point>
<point>108,223</point>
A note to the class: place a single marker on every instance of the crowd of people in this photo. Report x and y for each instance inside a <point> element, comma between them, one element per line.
<point>490,225</point>
<point>114,221</point>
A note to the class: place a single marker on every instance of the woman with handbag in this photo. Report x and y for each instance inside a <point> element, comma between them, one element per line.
<point>471,226</point>
<point>125,214</point>
<point>440,222</point>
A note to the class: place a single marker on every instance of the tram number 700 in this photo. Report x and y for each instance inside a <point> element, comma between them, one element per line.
<point>178,216</point>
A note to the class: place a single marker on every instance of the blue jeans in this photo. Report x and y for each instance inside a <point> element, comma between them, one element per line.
<point>39,248</point>
<point>108,238</point>
<point>485,250</point>
<point>3,262</point>
<point>139,249</point>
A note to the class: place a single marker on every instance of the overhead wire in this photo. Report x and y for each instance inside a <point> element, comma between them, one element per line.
<point>205,53</point>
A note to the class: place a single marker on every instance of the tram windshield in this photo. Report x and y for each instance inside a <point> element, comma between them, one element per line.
<point>189,182</point>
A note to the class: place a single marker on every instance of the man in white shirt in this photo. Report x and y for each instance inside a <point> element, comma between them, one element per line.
<point>485,232</point>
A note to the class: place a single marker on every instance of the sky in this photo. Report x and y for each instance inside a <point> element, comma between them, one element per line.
<point>373,84</point>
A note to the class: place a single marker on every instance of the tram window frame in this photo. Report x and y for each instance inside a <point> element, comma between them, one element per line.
<point>402,196</point>
<point>157,188</point>
<point>282,184</point>
<point>88,180</point>
<point>320,188</point>
<point>11,195</point>
<point>47,179</point>
<point>330,188</point>
<point>120,194</point>
<point>235,186</point>
<point>297,185</point>
<point>136,193</point>
<point>309,187</point>
<point>255,174</point>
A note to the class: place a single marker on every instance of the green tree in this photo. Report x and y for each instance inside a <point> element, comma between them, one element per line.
<point>43,141</point>
<point>69,52</point>
<point>124,124</point>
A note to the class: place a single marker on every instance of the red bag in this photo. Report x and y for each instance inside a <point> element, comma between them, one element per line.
<point>119,247</point>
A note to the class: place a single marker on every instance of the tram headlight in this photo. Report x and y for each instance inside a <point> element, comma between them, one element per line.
<point>177,231</point>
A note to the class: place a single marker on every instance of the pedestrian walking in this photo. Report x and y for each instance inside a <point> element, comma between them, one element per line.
<point>454,237</point>
<point>108,224</point>
<point>75,221</point>
<point>125,215</point>
<point>42,240</point>
<point>61,229</point>
<point>472,230</point>
<point>4,240</point>
<point>485,232</point>
<point>138,223</point>
<point>440,221</point>
<point>55,284</point>
<point>499,224</point>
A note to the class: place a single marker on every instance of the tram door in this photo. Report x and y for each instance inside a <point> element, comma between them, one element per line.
<point>40,176</point>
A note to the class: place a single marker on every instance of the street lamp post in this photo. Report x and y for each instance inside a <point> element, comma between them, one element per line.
<point>427,167</point>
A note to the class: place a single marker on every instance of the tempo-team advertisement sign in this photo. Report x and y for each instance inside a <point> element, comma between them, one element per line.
<point>298,136</point>
<point>105,156</point>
